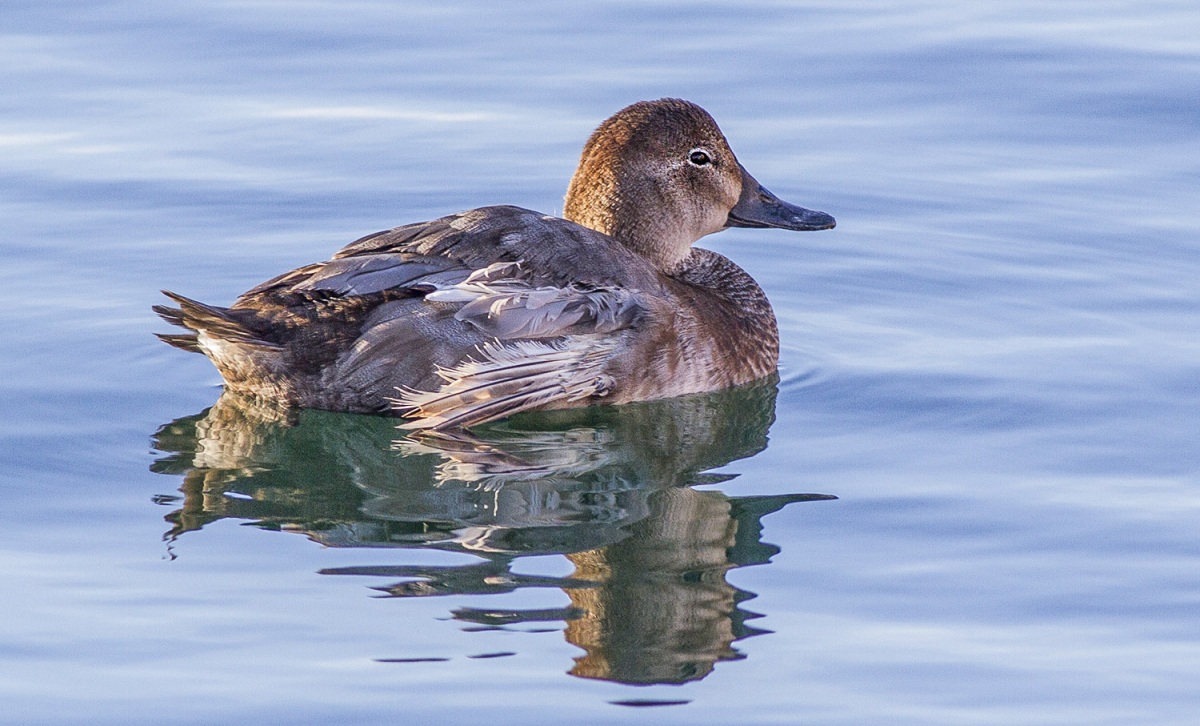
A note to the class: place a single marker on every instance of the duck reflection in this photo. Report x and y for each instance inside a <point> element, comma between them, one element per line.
<point>609,488</point>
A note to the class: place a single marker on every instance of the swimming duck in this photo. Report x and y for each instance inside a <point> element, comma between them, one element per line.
<point>479,315</point>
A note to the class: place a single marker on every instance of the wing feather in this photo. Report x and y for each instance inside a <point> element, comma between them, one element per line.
<point>511,307</point>
<point>508,378</point>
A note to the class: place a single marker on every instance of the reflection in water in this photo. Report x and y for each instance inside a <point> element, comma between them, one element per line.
<point>607,487</point>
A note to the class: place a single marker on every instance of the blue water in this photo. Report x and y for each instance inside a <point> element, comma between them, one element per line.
<point>993,363</point>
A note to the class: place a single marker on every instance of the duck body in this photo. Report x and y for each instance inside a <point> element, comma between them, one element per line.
<point>478,315</point>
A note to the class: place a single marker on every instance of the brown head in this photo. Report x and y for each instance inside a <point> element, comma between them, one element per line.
<point>659,175</point>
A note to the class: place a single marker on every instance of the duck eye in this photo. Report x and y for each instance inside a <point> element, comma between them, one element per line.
<point>699,157</point>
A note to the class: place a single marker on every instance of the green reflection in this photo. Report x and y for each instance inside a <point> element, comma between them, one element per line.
<point>608,487</point>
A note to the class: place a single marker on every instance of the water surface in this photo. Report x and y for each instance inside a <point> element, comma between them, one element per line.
<point>992,363</point>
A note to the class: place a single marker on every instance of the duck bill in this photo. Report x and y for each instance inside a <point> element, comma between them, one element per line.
<point>758,207</point>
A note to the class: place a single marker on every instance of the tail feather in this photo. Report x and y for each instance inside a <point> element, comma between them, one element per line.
<point>190,343</point>
<point>174,316</point>
<point>212,321</point>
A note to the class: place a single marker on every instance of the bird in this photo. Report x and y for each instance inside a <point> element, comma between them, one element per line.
<point>479,315</point>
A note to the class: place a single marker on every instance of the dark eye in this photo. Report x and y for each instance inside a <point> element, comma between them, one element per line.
<point>699,157</point>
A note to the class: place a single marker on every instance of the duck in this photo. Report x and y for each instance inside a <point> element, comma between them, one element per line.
<point>479,315</point>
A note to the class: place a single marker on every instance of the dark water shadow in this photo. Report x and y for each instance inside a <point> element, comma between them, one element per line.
<point>609,488</point>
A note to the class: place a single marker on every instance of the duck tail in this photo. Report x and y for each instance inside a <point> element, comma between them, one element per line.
<point>212,321</point>
<point>188,342</point>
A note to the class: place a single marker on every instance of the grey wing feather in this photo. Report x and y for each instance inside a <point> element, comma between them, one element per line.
<point>539,348</point>
<point>510,378</point>
<point>374,273</point>
<point>548,312</point>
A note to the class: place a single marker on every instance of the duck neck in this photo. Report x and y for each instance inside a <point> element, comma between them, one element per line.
<point>661,235</point>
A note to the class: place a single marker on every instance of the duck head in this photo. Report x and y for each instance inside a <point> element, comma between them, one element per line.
<point>659,175</point>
